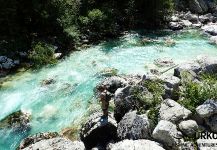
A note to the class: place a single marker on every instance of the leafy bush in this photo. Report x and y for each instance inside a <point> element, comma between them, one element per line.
<point>42,54</point>
<point>194,93</point>
<point>150,103</point>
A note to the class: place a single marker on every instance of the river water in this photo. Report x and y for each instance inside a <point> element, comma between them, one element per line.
<point>57,105</point>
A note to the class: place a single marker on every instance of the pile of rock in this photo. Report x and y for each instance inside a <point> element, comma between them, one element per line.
<point>182,20</point>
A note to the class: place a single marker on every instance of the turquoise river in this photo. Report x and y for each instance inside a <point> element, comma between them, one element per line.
<point>56,106</point>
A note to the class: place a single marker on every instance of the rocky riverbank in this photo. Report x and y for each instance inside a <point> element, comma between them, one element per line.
<point>150,112</point>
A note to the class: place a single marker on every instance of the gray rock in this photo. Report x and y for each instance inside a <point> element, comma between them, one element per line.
<point>212,123</point>
<point>171,85</point>
<point>56,144</point>
<point>167,133</point>
<point>98,131</point>
<point>187,67</point>
<point>213,40</point>
<point>37,138</point>
<point>172,111</point>
<point>191,17</point>
<point>135,145</point>
<point>206,18</point>
<point>133,126</point>
<point>210,29</point>
<point>209,65</point>
<point>189,127</point>
<point>186,23</point>
<point>3,59</point>
<point>112,84</point>
<point>207,109</point>
<point>8,64</point>
<point>125,100</point>
<point>175,26</point>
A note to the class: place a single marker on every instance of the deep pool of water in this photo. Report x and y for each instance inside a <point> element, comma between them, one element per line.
<point>56,106</point>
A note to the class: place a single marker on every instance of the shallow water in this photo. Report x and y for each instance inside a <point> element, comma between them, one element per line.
<point>56,106</point>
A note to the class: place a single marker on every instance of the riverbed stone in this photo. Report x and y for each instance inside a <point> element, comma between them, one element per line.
<point>17,121</point>
<point>207,109</point>
<point>133,126</point>
<point>98,130</point>
<point>135,145</point>
<point>167,133</point>
<point>173,111</point>
<point>189,127</point>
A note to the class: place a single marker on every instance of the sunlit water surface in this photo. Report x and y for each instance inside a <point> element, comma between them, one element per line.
<point>56,106</point>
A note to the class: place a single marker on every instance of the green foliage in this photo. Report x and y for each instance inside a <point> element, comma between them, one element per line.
<point>42,54</point>
<point>147,101</point>
<point>194,94</point>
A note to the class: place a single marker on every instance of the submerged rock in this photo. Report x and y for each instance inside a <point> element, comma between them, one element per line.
<point>47,82</point>
<point>135,145</point>
<point>172,111</point>
<point>133,126</point>
<point>17,121</point>
<point>164,62</point>
<point>167,133</point>
<point>98,131</point>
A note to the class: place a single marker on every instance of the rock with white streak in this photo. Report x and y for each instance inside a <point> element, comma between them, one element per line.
<point>173,111</point>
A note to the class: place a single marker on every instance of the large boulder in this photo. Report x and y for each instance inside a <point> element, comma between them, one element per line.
<point>191,17</point>
<point>98,130</point>
<point>176,25</point>
<point>213,40</point>
<point>56,144</point>
<point>173,111</point>
<point>135,145</point>
<point>171,85</point>
<point>210,29</point>
<point>207,109</point>
<point>189,127</point>
<point>209,65</point>
<point>17,121</point>
<point>125,100</point>
<point>112,84</point>
<point>133,126</point>
<point>36,138</point>
<point>167,133</point>
<point>192,67</point>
